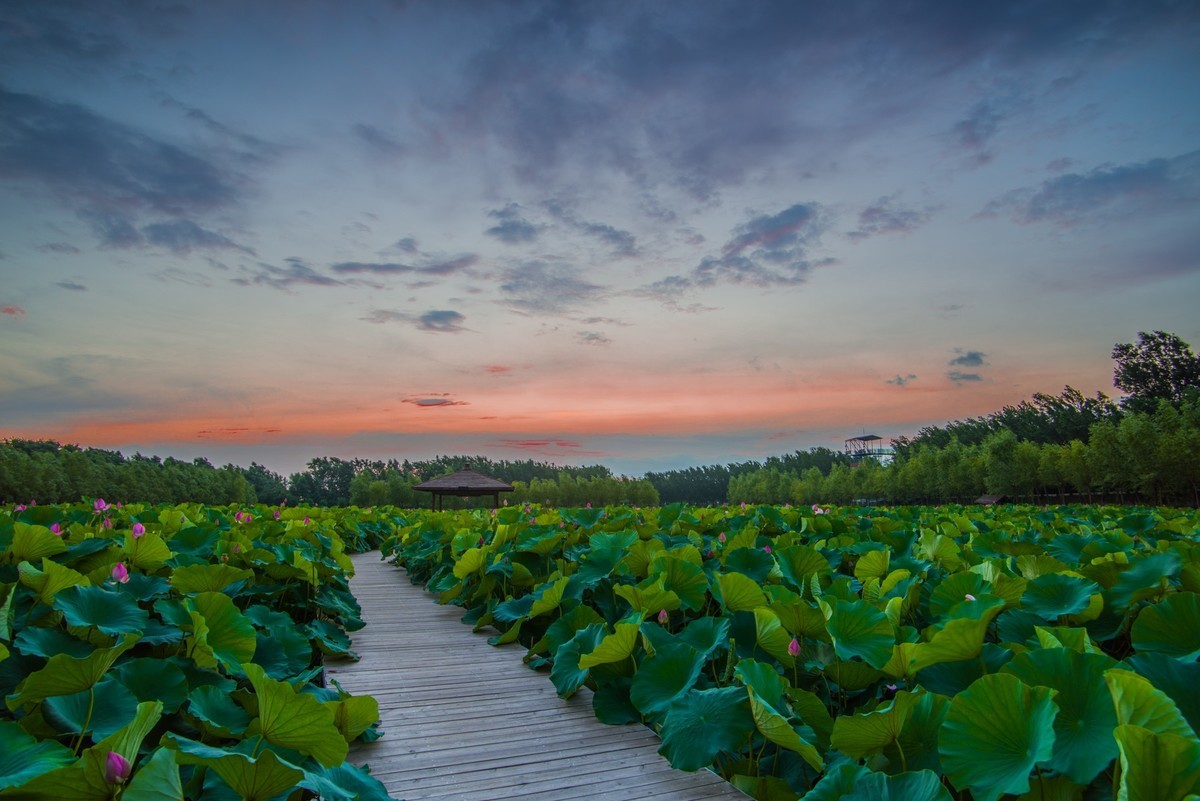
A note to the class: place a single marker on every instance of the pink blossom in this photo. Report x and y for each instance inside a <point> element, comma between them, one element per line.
<point>794,647</point>
<point>99,505</point>
<point>307,521</point>
<point>969,597</point>
<point>721,537</point>
<point>589,505</point>
<point>138,530</point>
<point>56,529</point>
<point>276,514</point>
<point>663,617</point>
<point>107,523</point>
<point>20,507</point>
<point>767,548</point>
<point>237,548</point>
<point>116,768</point>
<point>120,573</point>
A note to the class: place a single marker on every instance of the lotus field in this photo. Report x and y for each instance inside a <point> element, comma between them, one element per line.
<point>173,652</point>
<point>908,653</point>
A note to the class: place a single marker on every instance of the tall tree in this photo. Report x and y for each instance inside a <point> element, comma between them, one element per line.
<point>1158,366</point>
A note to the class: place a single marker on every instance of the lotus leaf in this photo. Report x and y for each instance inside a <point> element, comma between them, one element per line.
<point>217,713</point>
<point>1141,704</point>
<point>65,674</point>
<point>703,724</point>
<point>1156,766</point>
<point>293,720</point>
<point>253,778</point>
<point>50,580</point>
<point>614,647</point>
<point>1056,594</point>
<point>152,679</point>
<point>921,785</point>
<point>1178,680</point>
<point>220,632</point>
<point>995,732</point>
<point>353,715</point>
<point>772,637</point>
<point>23,757</point>
<point>738,593</point>
<point>1170,627</point>
<point>193,579</point>
<point>859,630</point>
<point>98,712</point>
<point>566,674</point>
<point>1144,578</point>
<point>667,675</point>
<point>870,732</point>
<point>682,577</point>
<point>107,610</point>
<point>32,543</point>
<point>49,642</point>
<point>156,779</point>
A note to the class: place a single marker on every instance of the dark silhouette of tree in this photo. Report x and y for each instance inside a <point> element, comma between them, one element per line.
<point>1159,366</point>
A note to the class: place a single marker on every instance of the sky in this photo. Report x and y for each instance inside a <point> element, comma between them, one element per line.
<point>642,234</point>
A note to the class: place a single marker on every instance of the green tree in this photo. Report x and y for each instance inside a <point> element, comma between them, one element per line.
<point>1158,366</point>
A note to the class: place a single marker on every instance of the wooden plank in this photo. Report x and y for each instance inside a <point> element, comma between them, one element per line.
<point>463,720</point>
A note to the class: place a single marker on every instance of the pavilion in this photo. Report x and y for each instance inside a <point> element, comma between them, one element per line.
<point>464,483</point>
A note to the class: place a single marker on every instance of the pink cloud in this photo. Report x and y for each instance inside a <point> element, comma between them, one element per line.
<point>11,310</point>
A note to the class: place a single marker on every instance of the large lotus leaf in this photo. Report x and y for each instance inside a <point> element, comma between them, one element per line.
<point>148,552</point>
<point>870,732</point>
<point>344,781</point>
<point>605,551</point>
<point>471,562</point>
<point>850,675</point>
<point>106,610</point>
<point>1170,627</point>
<point>960,638</point>
<point>1052,788</point>
<point>738,593</point>
<point>23,757</point>
<point>812,710</point>
<point>684,579</point>
<point>661,679</point>
<point>772,636</point>
<point>920,785</point>
<point>127,740</point>
<point>774,725</point>
<point>1057,594</point>
<point>797,615</point>
<point>549,596</point>
<point>1076,639</point>
<point>151,679</point>
<point>799,563</point>
<point>1156,766</point>
<point>216,712</point>
<point>207,578</point>
<point>145,588</point>
<point>156,779</point>
<point>995,732</point>
<point>649,597</point>
<point>282,653</point>
<point>1083,744</point>
<point>564,628</point>
<point>704,723</point>
<point>752,562</point>
<point>32,543</point>
<point>50,580</point>
<point>1140,703</point>
<point>859,629</point>
<point>614,647</point>
<point>951,678</point>
<point>49,642</point>
<point>159,633</point>
<point>99,711</point>
<point>65,674</point>
<point>353,715</point>
<point>330,639</point>
<point>611,704</point>
<point>917,746</point>
<point>953,590</point>
<point>873,564</point>
<point>1178,680</point>
<point>258,777</point>
<point>1144,578</point>
<point>706,634</point>
<point>292,720</point>
<point>220,632</point>
<point>837,783</point>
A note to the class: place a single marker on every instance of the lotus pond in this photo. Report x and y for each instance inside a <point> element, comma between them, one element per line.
<point>175,652</point>
<point>906,653</point>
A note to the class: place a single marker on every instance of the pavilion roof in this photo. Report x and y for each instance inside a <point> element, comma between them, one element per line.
<point>464,482</point>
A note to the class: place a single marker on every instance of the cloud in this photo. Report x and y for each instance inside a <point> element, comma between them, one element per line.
<point>76,287</point>
<point>623,243</point>
<point>380,143</point>
<point>902,380</point>
<point>58,247</point>
<point>434,401</point>
<point>592,338</point>
<point>512,228</point>
<point>1162,185</point>
<point>441,321</point>
<point>544,287</point>
<point>497,369</point>
<point>12,310</point>
<point>296,272</point>
<point>432,266</point>
<point>113,230</point>
<point>968,358</point>
<point>886,216</point>
<point>959,377</point>
<point>182,236</point>
<point>406,245</point>
<point>549,447</point>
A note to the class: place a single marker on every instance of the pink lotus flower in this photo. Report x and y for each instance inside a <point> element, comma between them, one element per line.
<point>116,768</point>
<point>138,530</point>
<point>106,523</point>
<point>20,507</point>
<point>276,514</point>
<point>663,617</point>
<point>721,537</point>
<point>969,597</point>
<point>120,573</point>
<point>307,521</point>
<point>56,529</point>
<point>794,647</point>
<point>237,548</point>
<point>589,505</point>
<point>766,548</point>
<point>99,505</point>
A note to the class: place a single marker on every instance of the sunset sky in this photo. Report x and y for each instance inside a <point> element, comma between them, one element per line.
<point>642,234</point>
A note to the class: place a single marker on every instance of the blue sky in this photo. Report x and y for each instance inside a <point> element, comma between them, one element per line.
<point>643,234</point>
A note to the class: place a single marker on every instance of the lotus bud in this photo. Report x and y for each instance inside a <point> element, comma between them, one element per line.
<point>721,537</point>
<point>56,529</point>
<point>794,647</point>
<point>766,548</point>
<point>663,617</point>
<point>99,505</point>
<point>116,768</point>
<point>969,597</point>
<point>120,573</point>
<point>138,530</point>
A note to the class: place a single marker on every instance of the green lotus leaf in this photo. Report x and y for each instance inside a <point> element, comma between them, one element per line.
<point>217,713</point>
<point>738,593</point>
<point>772,636</point>
<point>859,629</point>
<point>917,746</point>
<point>873,564</point>
<point>1140,703</point>
<point>850,675</point>
<point>703,724</point>
<point>344,781</point>
<point>961,638</point>
<point>50,642</point>
<point>773,725</point>
<point>605,551</point>
<point>258,777</point>
<point>65,674</point>
<point>549,596</point>
<point>868,733</point>
<point>99,711</point>
<point>706,634</point>
<point>220,632</point>
<point>611,704</point>
<point>1083,744</point>
<point>108,611</point>
<point>353,715</point>
<point>684,579</point>
<point>330,639</point>
<point>32,543</point>
<point>156,779</point>
<point>1178,680</point>
<point>995,732</point>
<point>837,783</point>
<point>799,563</point>
<point>207,578</point>
<point>1144,578</point>
<point>148,552</point>
<point>753,562</point>
<point>282,653</point>
<point>1076,639</point>
<point>762,678</point>
<point>920,785</point>
<point>293,720</point>
<point>1156,766</point>
<point>1056,594</point>
<point>22,756</point>
<point>1052,788</point>
<point>564,628</point>
<point>151,679</point>
<point>666,676</point>
<point>50,580</point>
<point>649,597</point>
<point>802,618</point>
<point>127,741</point>
<point>1170,627</point>
<point>812,710</point>
<point>614,647</point>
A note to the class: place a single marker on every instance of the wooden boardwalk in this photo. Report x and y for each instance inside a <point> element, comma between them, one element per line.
<point>465,720</point>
